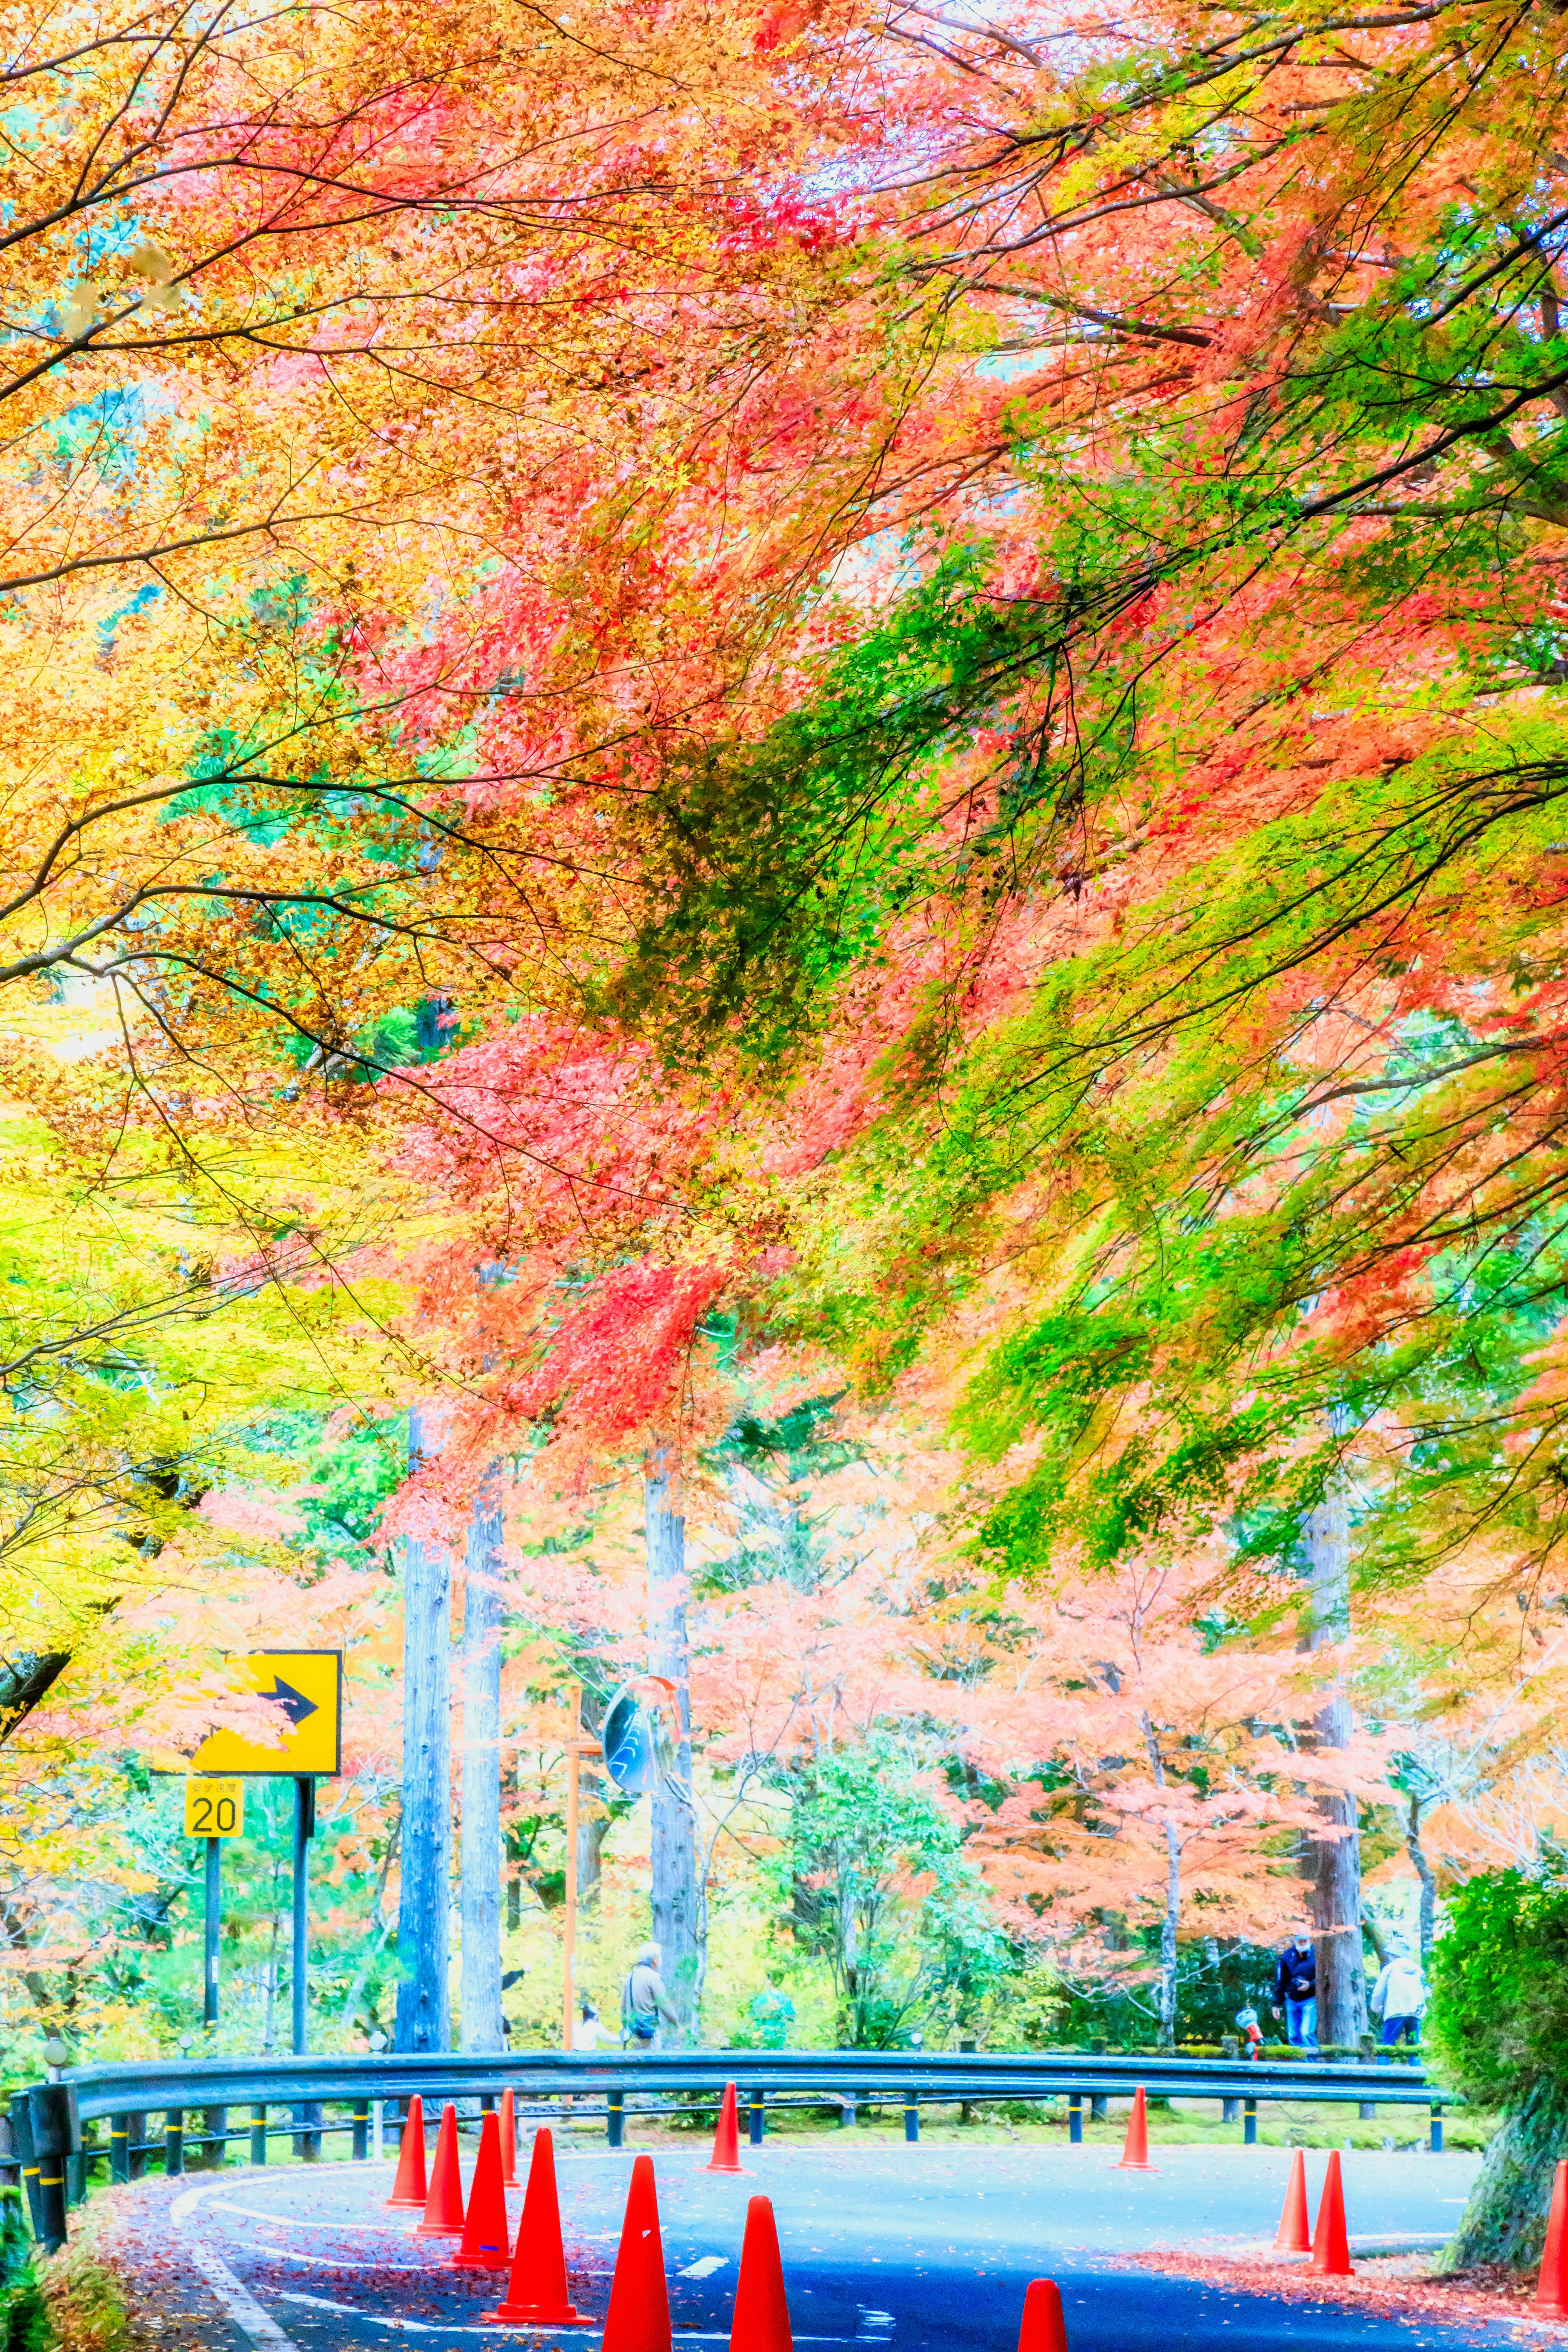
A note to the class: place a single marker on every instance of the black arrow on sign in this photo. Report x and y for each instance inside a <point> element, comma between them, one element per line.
<point>295,1706</point>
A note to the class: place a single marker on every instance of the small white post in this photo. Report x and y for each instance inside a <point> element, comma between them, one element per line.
<point>375,2139</point>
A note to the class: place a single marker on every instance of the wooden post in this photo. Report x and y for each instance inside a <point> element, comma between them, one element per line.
<point>576,1748</point>
<point>569,1944</point>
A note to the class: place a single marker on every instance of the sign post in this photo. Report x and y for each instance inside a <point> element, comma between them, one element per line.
<point>215,1810</point>
<point>307,1685</point>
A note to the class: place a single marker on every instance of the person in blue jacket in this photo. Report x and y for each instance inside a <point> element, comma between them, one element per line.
<point>1296,1992</point>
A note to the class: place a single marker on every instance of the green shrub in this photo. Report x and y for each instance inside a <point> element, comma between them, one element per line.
<point>1498,2018</point>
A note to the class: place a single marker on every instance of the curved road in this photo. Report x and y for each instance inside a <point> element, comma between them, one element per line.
<point>916,2248</point>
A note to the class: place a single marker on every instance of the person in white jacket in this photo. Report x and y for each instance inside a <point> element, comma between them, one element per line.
<point>1399,1996</point>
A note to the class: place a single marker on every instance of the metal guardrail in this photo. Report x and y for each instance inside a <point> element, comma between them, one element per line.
<point>49,2120</point>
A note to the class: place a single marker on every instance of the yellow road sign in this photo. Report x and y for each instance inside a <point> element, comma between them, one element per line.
<point>308,1687</point>
<point>214,1808</point>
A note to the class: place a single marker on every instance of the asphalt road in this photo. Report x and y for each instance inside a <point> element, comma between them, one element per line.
<point>917,2248</point>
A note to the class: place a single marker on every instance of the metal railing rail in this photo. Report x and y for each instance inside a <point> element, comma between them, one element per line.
<point>49,2119</point>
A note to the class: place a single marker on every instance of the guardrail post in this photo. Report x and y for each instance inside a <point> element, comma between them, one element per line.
<point>1097,2106</point>
<point>911,2116</point>
<point>22,2130</point>
<point>173,2141</point>
<point>361,2130</point>
<point>214,2143</point>
<point>308,2130</point>
<point>1249,2123</point>
<point>616,2118</point>
<point>848,2114</point>
<point>119,2148</point>
<point>756,2118</point>
<point>258,2135</point>
<point>136,2144</point>
<point>1229,2109</point>
<point>76,2171</point>
<point>1367,2111</point>
<point>1075,2118</point>
<point>1436,2133</point>
<point>57,2139</point>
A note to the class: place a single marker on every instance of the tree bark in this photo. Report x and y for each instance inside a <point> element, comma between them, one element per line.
<point>480,2027</point>
<point>424,2015</point>
<point>1335,1860</point>
<point>1424,1871</point>
<point>677,1908</point>
<point>1505,2220</point>
<point>1171,1920</point>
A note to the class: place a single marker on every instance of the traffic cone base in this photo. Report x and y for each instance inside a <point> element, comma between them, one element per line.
<point>444,2206</point>
<point>1330,2247</point>
<point>485,2245</point>
<point>726,2155</point>
<point>761,2322</point>
<point>1293,2236</point>
<point>411,2188</point>
<point>1044,2328</point>
<point>536,2293</point>
<point>1134,2154</point>
<point>1551,2287</point>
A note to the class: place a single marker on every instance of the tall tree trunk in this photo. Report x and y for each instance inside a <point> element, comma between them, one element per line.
<point>677,1908</point>
<point>1505,2220</point>
<point>424,2014</point>
<point>481,2019</point>
<point>1424,1871</point>
<point>1171,1920</point>
<point>1335,1860</point>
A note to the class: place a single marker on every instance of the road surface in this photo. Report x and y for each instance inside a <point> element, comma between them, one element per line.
<point>920,2248</point>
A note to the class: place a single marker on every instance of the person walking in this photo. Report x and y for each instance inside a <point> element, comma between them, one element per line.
<point>587,2033</point>
<point>646,2006</point>
<point>1296,1992</point>
<point>1399,1996</point>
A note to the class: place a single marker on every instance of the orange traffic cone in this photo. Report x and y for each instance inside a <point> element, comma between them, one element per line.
<point>1330,2247</point>
<point>726,2155</point>
<point>1551,2288</point>
<point>409,2188</point>
<point>484,2246</point>
<point>1135,2153</point>
<point>1293,2236</point>
<point>638,2316</point>
<point>537,2291</point>
<point>444,2206</point>
<point>1044,2328</point>
<point>762,2315</point>
<point>507,2139</point>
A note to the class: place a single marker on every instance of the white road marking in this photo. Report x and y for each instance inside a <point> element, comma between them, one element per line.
<point>237,2299</point>
<point>395,2229</point>
<point>542,2328</point>
<point>704,2266</point>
